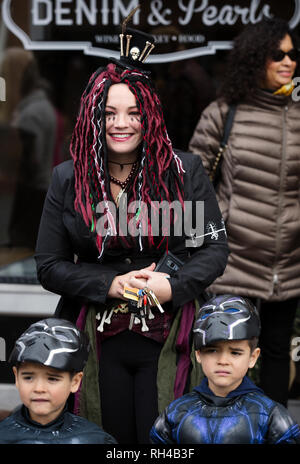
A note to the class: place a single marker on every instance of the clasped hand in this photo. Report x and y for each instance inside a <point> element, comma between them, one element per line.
<point>145,277</point>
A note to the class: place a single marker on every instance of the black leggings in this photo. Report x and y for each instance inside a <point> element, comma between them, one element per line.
<point>128,391</point>
<point>277,326</point>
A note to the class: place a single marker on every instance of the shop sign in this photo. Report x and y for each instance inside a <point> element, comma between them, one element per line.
<point>186,28</point>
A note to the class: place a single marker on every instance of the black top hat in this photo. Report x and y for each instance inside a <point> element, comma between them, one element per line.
<point>135,46</point>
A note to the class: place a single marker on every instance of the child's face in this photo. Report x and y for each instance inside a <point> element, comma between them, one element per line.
<point>225,363</point>
<point>44,390</point>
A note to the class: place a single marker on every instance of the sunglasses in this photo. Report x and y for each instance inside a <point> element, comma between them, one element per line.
<point>279,55</point>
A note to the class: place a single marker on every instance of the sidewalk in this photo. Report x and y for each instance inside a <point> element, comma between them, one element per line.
<point>9,397</point>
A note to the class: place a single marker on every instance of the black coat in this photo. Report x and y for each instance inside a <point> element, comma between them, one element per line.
<point>63,234</point>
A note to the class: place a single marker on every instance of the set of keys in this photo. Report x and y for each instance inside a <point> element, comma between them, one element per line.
<point>139,305</point>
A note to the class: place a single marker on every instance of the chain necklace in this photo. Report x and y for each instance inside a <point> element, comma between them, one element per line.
<point>123,184</point>
<point>120,164</point>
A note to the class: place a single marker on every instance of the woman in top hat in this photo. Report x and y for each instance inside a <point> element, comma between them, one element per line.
<point>126,203</point>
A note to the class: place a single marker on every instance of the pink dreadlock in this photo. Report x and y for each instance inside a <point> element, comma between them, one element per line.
<point>160,175</point>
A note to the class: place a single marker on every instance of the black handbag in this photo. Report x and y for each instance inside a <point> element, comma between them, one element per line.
<point>215,172</point>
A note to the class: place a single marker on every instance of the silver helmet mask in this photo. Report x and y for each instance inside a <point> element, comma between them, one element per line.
<point>53,342</point>
<point>226,317</point>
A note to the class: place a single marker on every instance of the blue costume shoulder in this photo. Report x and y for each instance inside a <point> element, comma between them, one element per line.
<point>246,416</point>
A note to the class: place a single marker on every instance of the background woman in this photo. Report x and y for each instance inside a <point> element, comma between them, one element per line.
<point>102,207</point>
<point>258,192</point>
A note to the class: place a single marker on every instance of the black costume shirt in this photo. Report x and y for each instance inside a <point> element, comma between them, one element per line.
<point>19,428</point>
<point>245,416</point>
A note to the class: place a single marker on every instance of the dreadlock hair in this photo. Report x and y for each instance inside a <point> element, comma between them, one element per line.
<point>160,172</point>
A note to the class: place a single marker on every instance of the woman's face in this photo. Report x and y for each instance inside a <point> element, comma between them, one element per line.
<point>123,123</point>
<point>279,73</point>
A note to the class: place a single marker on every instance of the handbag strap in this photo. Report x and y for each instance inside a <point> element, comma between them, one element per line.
<point>214,173</point>
<point>228,125</point>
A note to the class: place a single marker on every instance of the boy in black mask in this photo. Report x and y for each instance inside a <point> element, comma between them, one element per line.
<point>48,361</point>
<point>226,408</point>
